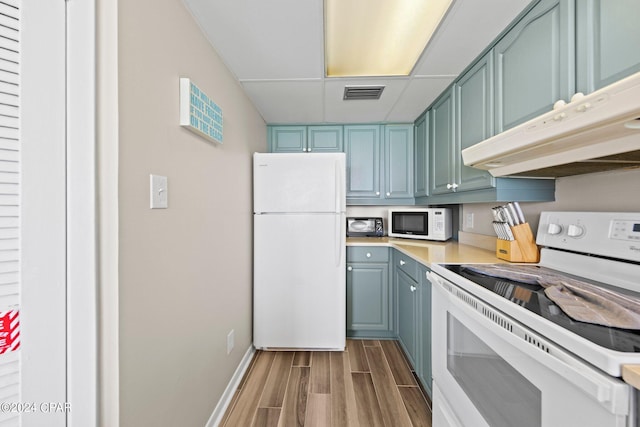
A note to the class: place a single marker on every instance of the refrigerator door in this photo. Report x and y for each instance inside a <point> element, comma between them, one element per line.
<point>299,281</point>
<point>292,182</point>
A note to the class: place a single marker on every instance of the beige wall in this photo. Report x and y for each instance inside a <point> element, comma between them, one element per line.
<point>185,273</point>
<point>616,191</point>
<point>107,209</point>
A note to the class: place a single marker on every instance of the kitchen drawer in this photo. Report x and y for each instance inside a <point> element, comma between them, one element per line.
<point>406,264</point>
<point>367,254</point>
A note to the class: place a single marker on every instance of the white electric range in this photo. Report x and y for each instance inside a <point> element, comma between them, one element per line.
<point>504,354</point>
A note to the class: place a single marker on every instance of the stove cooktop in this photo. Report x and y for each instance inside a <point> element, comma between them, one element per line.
<point>533,298</point>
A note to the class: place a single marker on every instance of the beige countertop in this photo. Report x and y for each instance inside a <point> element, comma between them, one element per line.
<point>631,375</point>
<point>428,252</point>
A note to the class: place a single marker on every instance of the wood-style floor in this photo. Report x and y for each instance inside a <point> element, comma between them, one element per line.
<point>370,384</point>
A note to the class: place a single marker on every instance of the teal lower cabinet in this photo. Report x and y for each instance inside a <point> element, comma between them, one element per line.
<point>423,364</point>
<point>413,314</point>
<point>389,297</point>
<point>369,297</point>
<point>407,313</point>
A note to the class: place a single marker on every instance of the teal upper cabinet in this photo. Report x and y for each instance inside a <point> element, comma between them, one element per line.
<point>324,139</point>
<point>362,146</point>
<point>534,63</point>
<point>421,157</point>
<point>287,139</point>
<point>474,121</point>
<point>441,140</point>
<point>379,157</point>
<point>460,118</point>
<point>398,172</point>
<point>379,164</point>
<point>608,42</point>
<point>297,139</point>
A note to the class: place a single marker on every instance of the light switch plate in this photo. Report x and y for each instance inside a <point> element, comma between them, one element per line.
<point>159,197</point>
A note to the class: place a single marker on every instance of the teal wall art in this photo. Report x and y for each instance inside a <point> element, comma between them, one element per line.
<point>198,112</point>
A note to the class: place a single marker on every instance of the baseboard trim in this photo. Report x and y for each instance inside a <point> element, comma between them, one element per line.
<point>227,396</point>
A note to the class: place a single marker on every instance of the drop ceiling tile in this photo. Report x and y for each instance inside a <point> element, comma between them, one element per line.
<point>280,39</point>
<point>418,95</point>
<point>467,30</point>
<point>283,102</point>
<point>275,49</point>
<point>338,110</point>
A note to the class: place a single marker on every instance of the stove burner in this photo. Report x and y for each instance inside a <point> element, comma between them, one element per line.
<point>533,298</point>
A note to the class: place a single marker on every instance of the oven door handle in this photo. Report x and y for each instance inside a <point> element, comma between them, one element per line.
<point>610,392</point>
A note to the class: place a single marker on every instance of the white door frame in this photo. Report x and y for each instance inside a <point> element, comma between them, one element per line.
<point>58,305</point>
<point>82,304</point>
<point>43,210</point>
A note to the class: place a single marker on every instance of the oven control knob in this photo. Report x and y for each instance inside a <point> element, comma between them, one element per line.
<point>575,231</point>
<point>554,229</point>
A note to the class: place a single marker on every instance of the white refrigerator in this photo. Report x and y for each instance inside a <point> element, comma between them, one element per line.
<point>299,290</point>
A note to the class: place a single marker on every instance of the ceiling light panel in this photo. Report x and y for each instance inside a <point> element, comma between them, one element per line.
<point>378,37</point>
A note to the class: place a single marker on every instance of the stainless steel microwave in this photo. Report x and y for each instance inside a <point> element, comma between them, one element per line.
<point>425,224</point>
<point>365,227</point>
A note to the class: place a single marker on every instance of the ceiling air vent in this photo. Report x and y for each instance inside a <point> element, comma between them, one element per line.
<point>362,92</point>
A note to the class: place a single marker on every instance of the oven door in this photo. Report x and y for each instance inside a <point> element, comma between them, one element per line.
<point>489,370</point>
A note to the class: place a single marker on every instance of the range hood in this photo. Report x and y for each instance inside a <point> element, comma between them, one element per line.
<point>592,133</point>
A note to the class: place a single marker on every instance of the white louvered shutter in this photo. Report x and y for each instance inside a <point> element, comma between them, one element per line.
<point>9,195</point>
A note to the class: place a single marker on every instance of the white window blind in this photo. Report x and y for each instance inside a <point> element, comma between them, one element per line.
<point>9,194</point>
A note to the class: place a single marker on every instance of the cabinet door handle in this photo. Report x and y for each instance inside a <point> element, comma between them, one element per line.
<point>309,150</point>
<point>377,193</point>
<point>402,262</point>
<point>449,186</point>
<point>349,268</point>
<point>368,255</point>
<point>388,194</point>
<point>413,288</point>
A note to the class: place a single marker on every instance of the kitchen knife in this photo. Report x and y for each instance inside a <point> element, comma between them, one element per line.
<point>507,216</point>
<point>514,214</point>
<point>498,230</point>
<point>510,235</point>
<point>494,211</point>
<point>516,205</point>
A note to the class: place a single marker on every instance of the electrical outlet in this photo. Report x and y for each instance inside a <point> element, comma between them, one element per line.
<point>469,220</point>
<point>230,341</point>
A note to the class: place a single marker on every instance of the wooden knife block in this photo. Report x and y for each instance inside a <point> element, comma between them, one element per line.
<point>522,249</point>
